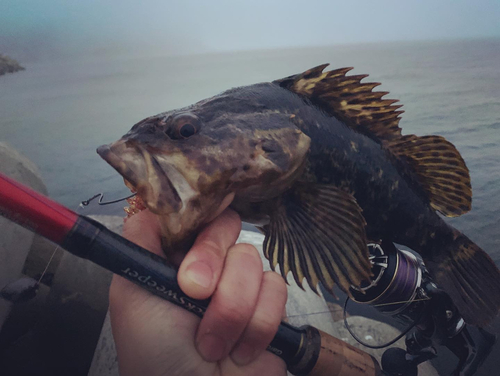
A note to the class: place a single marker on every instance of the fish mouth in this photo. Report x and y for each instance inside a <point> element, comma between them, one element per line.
<point>143,175</point>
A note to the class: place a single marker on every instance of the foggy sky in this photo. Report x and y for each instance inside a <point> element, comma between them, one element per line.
<point>38,27</point>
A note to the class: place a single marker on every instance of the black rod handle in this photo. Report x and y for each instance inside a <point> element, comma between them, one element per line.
<point>91,240</point>
<point>306,350</point>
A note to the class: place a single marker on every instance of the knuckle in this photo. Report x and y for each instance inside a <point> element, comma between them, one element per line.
<point>232,313</point>
<point>212,247</point>
<point>264,325</point>
<point>247,248</point>
<point>249,252</point>
<point>275,282</point>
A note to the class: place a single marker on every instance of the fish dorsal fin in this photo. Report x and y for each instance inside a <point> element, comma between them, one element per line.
<point>440,169</point>
<point>318,233</point>
<point>349,100</point>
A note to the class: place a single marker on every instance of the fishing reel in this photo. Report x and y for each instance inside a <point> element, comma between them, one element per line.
<point>401,287</point>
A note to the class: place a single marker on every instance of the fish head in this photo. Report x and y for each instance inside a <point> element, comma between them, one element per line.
<point>184,163</point>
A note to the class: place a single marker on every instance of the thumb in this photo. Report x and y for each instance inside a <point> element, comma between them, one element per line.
<point>200,271</point>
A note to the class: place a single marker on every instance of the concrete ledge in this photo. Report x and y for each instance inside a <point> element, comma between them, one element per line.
<point>15,241</point>
<point>56,332</point>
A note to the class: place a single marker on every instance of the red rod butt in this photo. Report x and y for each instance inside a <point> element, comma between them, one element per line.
<point>34,211</point>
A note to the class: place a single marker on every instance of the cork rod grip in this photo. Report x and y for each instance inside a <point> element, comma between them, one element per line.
<point>323,355</point>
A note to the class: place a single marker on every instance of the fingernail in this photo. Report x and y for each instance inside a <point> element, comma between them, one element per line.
<point>212,347</point>
<point>243,354</point>
<point>200,274</point>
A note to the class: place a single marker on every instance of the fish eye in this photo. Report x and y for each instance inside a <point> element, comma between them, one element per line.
<point>183,126</point>
<point>187,130</point>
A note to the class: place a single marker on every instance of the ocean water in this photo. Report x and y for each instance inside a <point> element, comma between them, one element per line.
<point>57,113</point>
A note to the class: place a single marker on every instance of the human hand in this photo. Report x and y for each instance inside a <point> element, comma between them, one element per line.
<point>155,337</point>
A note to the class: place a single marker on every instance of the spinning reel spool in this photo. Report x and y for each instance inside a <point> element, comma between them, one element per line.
<point>397,287</point>
<point>401,287</point>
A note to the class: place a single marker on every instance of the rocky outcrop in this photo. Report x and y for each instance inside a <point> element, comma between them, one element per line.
<point>8,65</point>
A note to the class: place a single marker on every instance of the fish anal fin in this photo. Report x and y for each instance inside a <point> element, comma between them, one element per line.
<point>440,169</point>
<point>318,233</point>
<point>348,99</point>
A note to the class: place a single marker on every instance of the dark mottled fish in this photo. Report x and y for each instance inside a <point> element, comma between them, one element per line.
<point>318,160</point>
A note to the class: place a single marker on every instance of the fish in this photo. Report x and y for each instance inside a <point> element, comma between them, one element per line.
<point>319,163</point>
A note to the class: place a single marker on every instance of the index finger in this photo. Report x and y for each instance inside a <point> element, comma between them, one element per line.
<point>201,269</point>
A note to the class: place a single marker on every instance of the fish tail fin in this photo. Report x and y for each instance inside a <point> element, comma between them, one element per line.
<point>470,277</point>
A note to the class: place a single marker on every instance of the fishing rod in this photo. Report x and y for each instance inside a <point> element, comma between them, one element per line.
<point>400,287</point>
<point>305,350</point>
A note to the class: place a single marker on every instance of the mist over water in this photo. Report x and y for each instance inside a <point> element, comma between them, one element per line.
<point>40,30</point>
<point>58,112</point>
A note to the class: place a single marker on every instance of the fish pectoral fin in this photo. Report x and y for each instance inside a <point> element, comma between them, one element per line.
<point>440,169</point>
<point>318,233</point>
<point>348,99</point>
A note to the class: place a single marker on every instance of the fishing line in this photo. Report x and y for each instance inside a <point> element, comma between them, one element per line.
<point>101,197</point>
<point>81,205</point>
<point>373,305</point>
<point>48,264</point>
<point>314,313</point>
<point>405,332</point>
<point>57,248</point>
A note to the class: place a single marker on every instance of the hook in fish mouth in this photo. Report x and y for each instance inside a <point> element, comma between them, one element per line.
<point>143,174</point>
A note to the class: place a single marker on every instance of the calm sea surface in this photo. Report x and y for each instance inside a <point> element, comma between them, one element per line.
<point>57,113</point>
